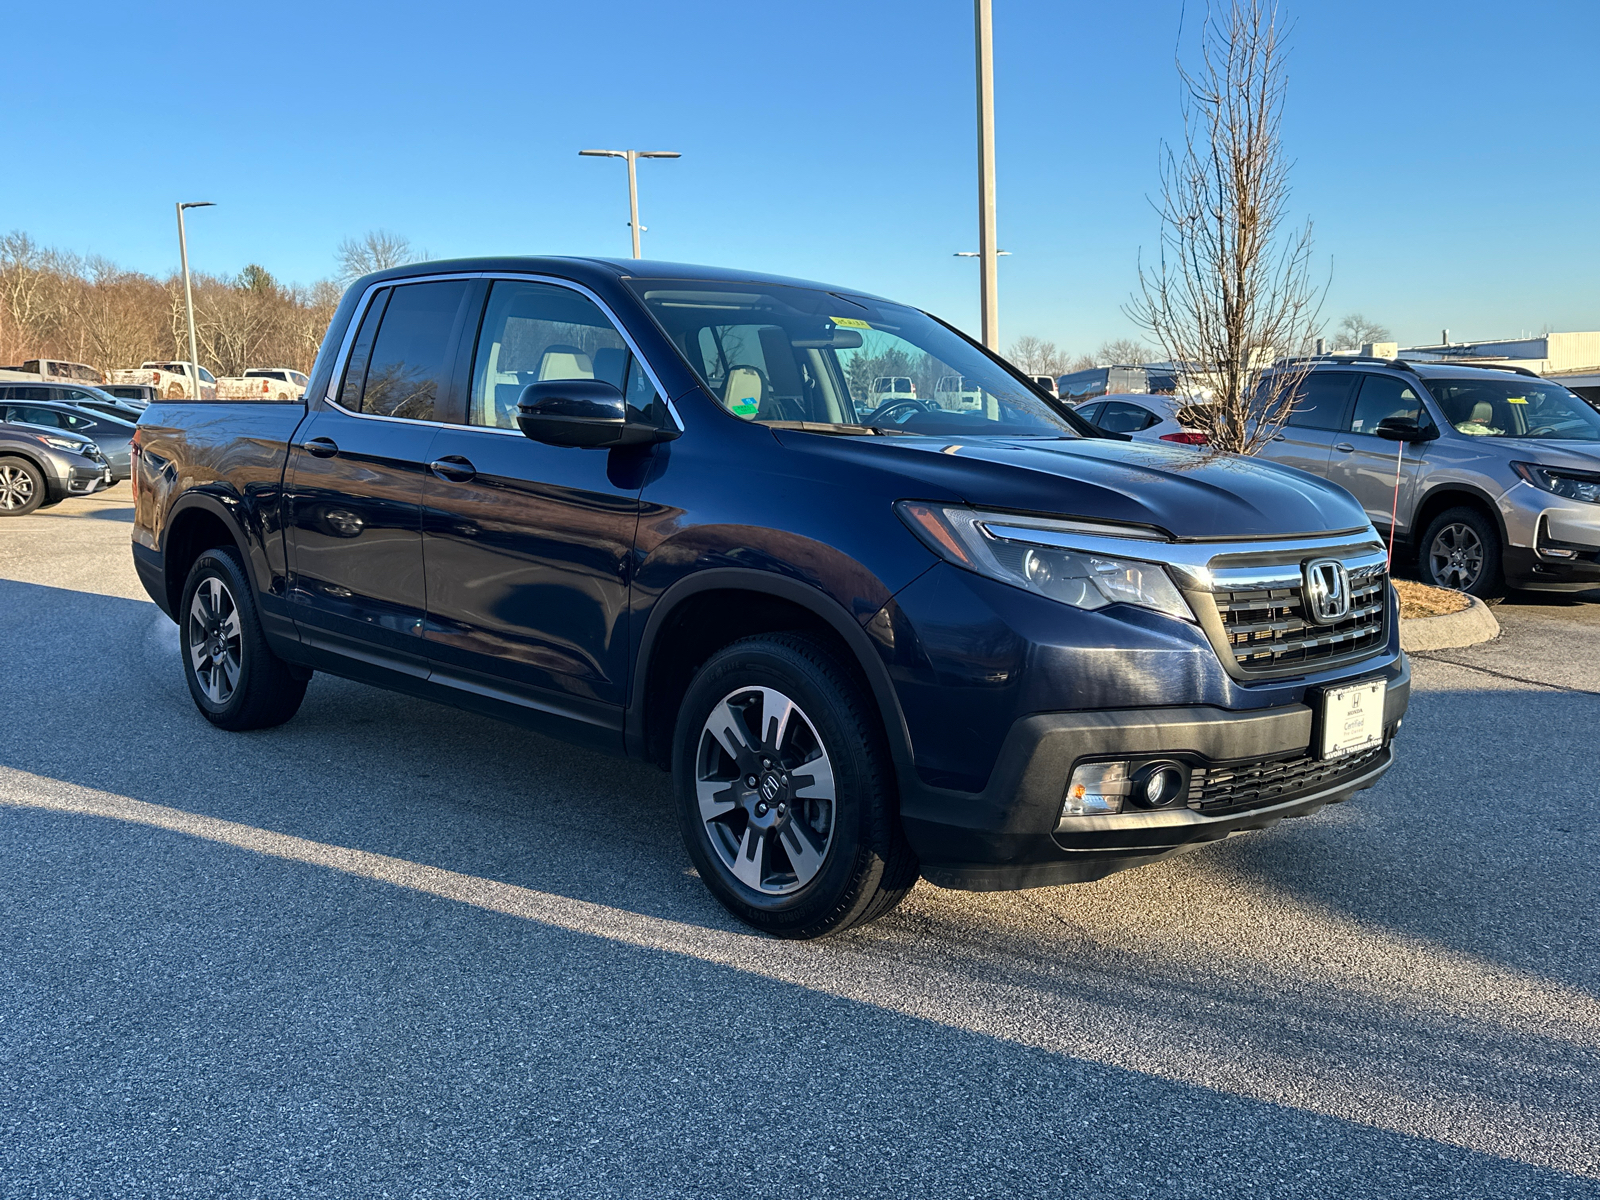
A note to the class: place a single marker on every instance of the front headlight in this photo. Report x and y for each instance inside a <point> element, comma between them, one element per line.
<point>68,444</point>
<point>999,546</point>
<point>1574,485</point>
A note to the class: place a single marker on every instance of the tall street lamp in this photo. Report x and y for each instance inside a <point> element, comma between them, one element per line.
<point>188,295</point>
<point>633,156</point>
<point>988,265</point>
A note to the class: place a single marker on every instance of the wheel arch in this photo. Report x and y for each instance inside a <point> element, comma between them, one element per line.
<point>1456,495</point>
<point>37,461</point>
<point>700,614</point>
<point>198,522</point>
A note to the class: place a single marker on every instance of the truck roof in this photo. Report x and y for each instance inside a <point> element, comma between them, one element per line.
<point>580,269</point>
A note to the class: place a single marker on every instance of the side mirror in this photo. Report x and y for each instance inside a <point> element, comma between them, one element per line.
<point>583,413</point>
<point>1405,429</point>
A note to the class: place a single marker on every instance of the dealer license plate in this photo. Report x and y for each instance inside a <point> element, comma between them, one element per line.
<point>1352,718</point>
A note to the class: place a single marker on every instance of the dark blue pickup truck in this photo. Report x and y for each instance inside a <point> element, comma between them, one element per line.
<point>660,511</point>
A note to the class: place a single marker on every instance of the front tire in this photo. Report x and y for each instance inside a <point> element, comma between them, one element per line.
<point>1460,550</point>
<point>785,792</point>
<point>22,487</point>
<point>237,682</point>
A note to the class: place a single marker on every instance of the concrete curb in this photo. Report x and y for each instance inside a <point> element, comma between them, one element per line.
<point>1473,624</point>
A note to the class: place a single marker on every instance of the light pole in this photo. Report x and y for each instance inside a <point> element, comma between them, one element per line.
<point>188,295</point>
<point>988,266</point>
<point>633,156</point>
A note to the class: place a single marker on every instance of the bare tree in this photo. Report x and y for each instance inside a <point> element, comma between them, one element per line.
<point>377,251</point>
<point>1121,352</point>
<point>1036,356</point>
<point>1355,331</point>
<point>1232,287</point>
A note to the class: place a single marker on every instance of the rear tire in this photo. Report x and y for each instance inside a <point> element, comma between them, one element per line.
<point>22,487</point>
<point>814,845</point>
<point>1461,550</point>
<point>237,682</point>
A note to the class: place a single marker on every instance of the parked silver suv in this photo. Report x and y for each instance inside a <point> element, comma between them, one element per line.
<point>1499,470</point>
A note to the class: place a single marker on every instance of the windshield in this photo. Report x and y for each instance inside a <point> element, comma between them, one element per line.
<point>1515,408</point>
<point>791,356</point>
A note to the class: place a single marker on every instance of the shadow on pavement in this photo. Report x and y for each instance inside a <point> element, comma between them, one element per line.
<point>256,980</point>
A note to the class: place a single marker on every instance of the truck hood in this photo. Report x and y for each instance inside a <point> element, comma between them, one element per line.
<point>1175,489</point>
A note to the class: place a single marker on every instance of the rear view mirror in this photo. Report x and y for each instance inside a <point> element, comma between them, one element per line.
<point>830,338</point>
<point>582,413</point>
<point>1405,429</point>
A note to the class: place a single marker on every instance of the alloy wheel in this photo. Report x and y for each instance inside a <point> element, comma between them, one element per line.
<point>215,644</point>
<point>1455,559</point>
<point>766,790</point>
<point>16,488</point>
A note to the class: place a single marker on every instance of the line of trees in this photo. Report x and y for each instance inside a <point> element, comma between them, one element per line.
<point>1038,356</point>
<point>90,310</point>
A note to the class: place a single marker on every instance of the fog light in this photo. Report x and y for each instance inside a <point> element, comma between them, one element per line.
<point>1095,789</point>
<point>1157,785</point>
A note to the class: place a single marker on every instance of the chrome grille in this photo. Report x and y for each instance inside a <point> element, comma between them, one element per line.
<point>1268,633</point>
<point>1214,790</point>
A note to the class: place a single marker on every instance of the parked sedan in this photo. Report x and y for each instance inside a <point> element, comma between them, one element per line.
<point>41,467</point>
<point>139,395</point>
<point>78,394</point>
<point>112,435</point>
<point>1143,417</point>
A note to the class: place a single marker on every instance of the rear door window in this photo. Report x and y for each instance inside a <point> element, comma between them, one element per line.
<point>1118,416</point>
<point>1320,400</point>
<point>402,371</point>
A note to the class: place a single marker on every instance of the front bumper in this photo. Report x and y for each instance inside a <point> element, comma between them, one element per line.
<point>1552,542</point>
<point>86,481</point>
<point>1005,837</point>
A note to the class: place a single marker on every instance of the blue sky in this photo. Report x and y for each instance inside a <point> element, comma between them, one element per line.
<point>1446,151</point>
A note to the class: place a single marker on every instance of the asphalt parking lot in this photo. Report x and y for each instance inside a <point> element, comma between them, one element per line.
<point>390,949</point>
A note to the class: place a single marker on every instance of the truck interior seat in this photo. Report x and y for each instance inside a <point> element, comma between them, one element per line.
<point>744,383</point>
<point>610,364</point>
<point>565,362</point>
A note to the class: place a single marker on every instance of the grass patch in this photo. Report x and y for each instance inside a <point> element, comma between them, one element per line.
<point>1420,600</point>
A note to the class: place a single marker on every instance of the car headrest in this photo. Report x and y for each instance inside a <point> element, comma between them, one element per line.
<point>565,362</point>
<point>742,394</point>
<point>1482,412</point>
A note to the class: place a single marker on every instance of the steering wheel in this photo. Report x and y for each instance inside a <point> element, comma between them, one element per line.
<point>881,413</point>
<point>1541,430</point>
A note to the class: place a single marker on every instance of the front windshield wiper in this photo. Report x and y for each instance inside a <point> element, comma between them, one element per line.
<point>841,429</point>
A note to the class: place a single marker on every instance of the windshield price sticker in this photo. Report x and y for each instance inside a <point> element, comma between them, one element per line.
<point>849,323</point>
<point>1352,718</point>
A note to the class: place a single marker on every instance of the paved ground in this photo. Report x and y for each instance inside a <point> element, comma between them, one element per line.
<point>393,950</point>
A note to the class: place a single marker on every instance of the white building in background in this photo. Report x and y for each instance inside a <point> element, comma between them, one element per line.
<point>1571,359</point>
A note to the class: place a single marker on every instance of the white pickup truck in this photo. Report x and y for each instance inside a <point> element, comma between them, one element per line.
<point>170,379</point>
<point>263,383</point>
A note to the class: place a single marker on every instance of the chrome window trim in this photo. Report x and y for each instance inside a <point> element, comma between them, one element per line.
<point>345,346</point>
<point>1192,562</point>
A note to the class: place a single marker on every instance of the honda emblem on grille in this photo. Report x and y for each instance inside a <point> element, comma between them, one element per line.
<point>1327,591</point>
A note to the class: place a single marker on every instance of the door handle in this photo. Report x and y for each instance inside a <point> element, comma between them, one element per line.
<point>322,447</point>
<point>1280,437</point>
<point>1345,446</point>
<point>453,467</point>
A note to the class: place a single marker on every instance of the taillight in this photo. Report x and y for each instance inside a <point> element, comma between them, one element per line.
<point>133,466</point>
<point>1186,438</point>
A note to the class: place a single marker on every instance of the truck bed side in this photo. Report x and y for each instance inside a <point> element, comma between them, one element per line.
<point>211,474</point>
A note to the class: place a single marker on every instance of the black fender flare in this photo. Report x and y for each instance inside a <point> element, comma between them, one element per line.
<point>805,596</point>
<point>227,508</point>
<point>1467,489</point>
